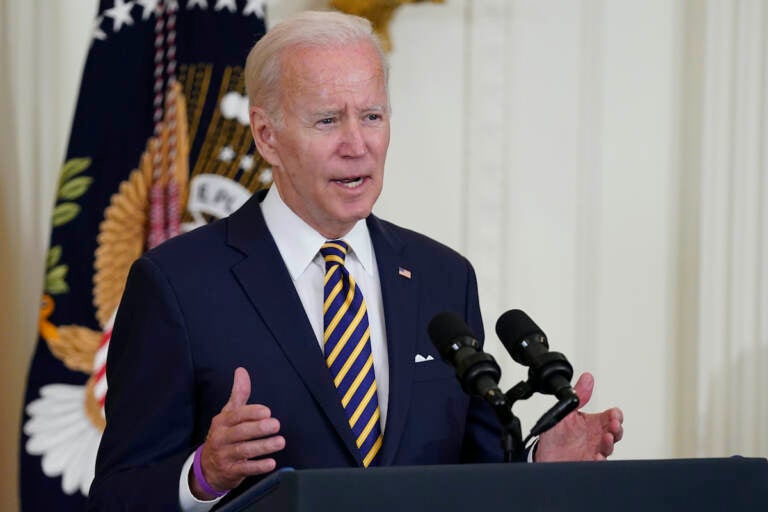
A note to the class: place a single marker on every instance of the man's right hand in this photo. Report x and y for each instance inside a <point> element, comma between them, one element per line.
<point>238,441</point>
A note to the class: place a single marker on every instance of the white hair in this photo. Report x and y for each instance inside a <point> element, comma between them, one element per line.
<point>314,29</point>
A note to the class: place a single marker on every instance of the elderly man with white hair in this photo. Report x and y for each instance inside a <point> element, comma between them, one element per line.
<point>289,334</point>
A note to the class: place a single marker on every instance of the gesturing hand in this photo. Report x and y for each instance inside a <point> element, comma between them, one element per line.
<point>238,437</point>
<point>582,436</point>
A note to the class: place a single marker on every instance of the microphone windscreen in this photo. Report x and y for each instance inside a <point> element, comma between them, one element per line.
<point>514,326</point>
<point>444,328</point>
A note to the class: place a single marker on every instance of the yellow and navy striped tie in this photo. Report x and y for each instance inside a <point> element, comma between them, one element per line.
<point>347,349</point>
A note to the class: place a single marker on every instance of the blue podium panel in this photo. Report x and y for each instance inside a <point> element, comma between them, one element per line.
<point>681,485</point>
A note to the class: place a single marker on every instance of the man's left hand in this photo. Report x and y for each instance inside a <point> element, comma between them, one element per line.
<point>582,436</point>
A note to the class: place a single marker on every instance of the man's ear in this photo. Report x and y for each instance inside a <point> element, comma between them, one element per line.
<point>263,131</point>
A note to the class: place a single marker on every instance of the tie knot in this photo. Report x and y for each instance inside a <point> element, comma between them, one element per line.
<point>334,251</point>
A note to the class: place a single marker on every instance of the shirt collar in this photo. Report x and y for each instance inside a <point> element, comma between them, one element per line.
<point>299,243</point>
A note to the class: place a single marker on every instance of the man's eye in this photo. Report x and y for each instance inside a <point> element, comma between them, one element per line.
<point>327,120</point>
<point>373,117</point>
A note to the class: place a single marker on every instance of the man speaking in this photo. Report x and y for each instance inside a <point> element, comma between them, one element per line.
<point>289,334</point>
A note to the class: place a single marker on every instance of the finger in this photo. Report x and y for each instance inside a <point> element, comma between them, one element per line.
<point>612,414</point>
<point>250,430</point>
<point>241,389</point>
<point>606,444</point>
<point>232,415</point>
<point>599,456</point>
<point>255,467</point>
<point>223,468</point>
<point>610,417</point>
<point>618,432</point>
<point>584,387</point>
<point>258,448</point>
<point>611,422</point>
<point>237,471</point>
<point>237,425</point>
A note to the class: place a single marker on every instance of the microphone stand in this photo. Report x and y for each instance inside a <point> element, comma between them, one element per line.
<point>511,436</point>
<point>511,432</point>
<point>479,374</point>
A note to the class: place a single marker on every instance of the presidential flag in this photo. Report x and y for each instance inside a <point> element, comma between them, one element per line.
<point>160,144</point>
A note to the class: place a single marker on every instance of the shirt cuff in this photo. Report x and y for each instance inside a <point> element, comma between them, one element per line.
<point>187,500</point>
<point>532,450</point>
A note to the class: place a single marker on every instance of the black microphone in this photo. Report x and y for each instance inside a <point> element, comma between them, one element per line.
<point>478,374</point>
<point>548,372</point>
<point>477,371</point>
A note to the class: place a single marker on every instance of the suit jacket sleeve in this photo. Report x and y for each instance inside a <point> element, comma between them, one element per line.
<point>149,404</point>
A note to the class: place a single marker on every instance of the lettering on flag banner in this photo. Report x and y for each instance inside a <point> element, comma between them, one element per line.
<point>160,144</point>
<point>213,196</point>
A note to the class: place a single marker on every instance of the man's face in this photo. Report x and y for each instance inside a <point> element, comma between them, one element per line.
<point>328,153</point>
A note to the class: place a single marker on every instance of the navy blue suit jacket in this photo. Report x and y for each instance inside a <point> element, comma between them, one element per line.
<point>220,297</point>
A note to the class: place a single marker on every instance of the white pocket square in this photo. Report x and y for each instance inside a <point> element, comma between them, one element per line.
<point>421,359</point>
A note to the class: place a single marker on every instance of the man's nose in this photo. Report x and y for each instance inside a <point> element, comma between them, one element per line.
<point>353,142</point>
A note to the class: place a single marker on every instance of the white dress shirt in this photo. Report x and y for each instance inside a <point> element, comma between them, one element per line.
<point>299,246</point>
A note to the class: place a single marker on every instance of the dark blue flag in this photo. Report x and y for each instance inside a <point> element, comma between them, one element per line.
<point>160,144</point>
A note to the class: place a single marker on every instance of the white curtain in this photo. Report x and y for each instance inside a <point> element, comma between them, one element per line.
<point>41,58</point>
<point>731,414</point>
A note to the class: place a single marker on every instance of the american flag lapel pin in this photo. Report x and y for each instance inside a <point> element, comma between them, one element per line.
<point>404,272</point>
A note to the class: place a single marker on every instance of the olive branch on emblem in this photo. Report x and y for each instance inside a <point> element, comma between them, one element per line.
<point>71,187</point>
<point>55,275</point>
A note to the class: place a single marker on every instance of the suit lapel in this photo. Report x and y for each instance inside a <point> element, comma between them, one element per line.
<point>400,296</point>
<point>266,281</point>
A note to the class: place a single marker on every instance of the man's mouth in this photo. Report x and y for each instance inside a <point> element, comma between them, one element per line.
<point>351,182</point>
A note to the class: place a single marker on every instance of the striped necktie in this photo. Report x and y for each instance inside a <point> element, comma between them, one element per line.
<point>347,350</point>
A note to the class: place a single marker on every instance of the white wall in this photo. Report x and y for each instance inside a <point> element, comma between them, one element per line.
<point>563,146</point>
<point>539,138</point>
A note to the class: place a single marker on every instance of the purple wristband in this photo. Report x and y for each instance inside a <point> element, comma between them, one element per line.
<point>198,470</point>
